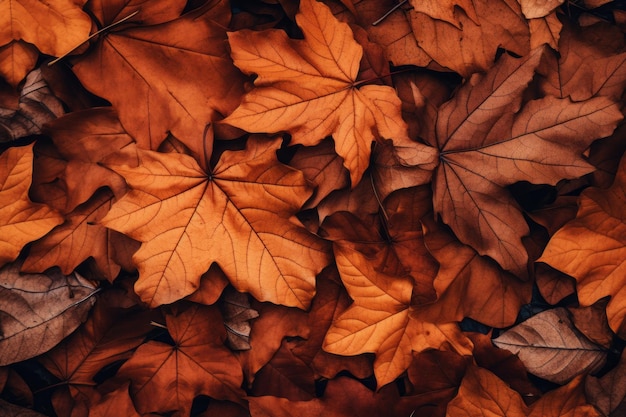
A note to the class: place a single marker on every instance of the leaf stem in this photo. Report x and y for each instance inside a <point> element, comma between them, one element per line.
<point>393,9</point>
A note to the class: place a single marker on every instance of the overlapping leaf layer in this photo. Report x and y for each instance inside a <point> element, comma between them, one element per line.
<point>320,208</point>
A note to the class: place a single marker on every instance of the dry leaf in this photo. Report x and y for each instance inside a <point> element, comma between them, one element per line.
<point>237,314</point>
<point>592,248</point>
<point>378,321</point>
<point>551,347</point>
<point>21,220</point>
<point>39,310</point>
<point>241,209</point>
<point>317,76</point>
<point>484,147</point>
<point>480,392</point>
<point>137,69</point>
<point>197,363</point>
<point>37,106</point>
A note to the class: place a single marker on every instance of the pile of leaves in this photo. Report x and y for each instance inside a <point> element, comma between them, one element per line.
<point>288,208</point>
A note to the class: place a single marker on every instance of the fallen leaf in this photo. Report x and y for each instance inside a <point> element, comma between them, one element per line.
<point>21,220</point>
<point>241,210</point>
<point>16,59</point>
<point>54,27</point>
<point>584,70</point>
<point>37,106</point>
<point>197,363</point>
<point>116,402</point>
<point>330,301</point>
<point>593,323</point>
<point>567,401</point>
<point>39,310</point>
<point>608,392</point>
<point>591,248</point>
<point>379,321</point>
<point>237,313</point>
<point>468,285</point>
<point>285,376</point>
<point>137,69</point>
<point>482,392</point>
<point>318,76</point>
<point>111,333</point>
<point>76,240</point>
<point>484,146</point>
<point>268,331</point>
<point>551,347</point>
<point>470,43</point>
<point>86,140</point>
<point>545,30</point>
<point>323,167</point>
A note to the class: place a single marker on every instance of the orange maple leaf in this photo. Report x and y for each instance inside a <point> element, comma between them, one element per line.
<point>308,88</point>
<point>592,248</point>
<point>21,220</point>
<point>379,321</point>
<point>237,215</point>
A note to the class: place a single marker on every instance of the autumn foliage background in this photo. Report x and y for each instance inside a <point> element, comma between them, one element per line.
<point>337,208</point>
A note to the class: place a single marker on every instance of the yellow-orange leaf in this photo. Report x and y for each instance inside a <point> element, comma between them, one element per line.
<point>21,220</point>
<point>483,394</point>
<point>378,321</point>
<point>592,248</point>
<point>54,27</point>
<point>308,88</point>
<point>238,215</point>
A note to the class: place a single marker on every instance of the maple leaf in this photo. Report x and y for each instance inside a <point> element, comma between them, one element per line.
<point>308,88</point>
<point>467,41</point>
<point>137,68</point>
<point>484,147</point>
<point>198,363</point>
<point>379,321</point>
<point>237,215</point>
<point>592,248</point>
<point>21,220</point>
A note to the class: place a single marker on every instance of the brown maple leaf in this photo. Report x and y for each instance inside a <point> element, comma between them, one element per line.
<point>468,37</point>
<point>198,363</point>
<point>21,220</point>
<point>592,248</point>
<point>138,69</point>
<point>238,215</point>
<point>485,146</point>
<point>309,89</point>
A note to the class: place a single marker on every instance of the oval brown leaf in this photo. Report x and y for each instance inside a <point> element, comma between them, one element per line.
<point>551,347</point>
<point>39,310</point>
